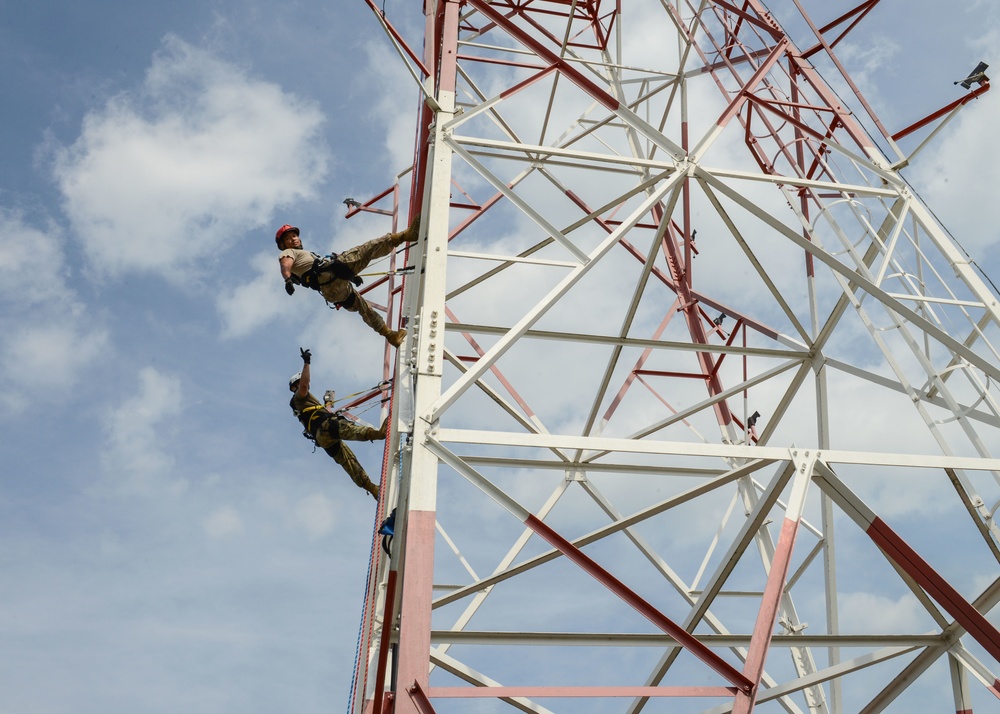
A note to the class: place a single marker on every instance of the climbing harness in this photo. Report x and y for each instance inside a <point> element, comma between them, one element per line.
<point>346,304</point>
<point>321,265</point>
<point>311,414</point>
<point>308,416</point>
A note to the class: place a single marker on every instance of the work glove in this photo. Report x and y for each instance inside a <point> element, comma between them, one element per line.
<point>289,286</point>
<point>357,280</point>
<point>306,356</point>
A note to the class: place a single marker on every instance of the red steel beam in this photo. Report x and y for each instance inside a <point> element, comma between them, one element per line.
<point>542,692</point>
<point>383,646</point>
<point>419,698</point>
<point>861,10</point>
<point>985,87</point>
<point>565,68</point>
<point>684,638</point>
<point>978,627</point>
<point>910,562</point>
<point>760,641</point>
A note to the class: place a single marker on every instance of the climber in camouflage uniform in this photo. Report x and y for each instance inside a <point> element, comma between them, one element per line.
<point>329,430</point>
<point>335,276</point>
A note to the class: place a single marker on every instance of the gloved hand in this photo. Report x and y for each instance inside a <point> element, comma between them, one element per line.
<point>306,356</point>
<point>357,280</point>
<point>289,286</point>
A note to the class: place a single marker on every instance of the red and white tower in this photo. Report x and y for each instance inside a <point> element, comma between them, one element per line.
<point>699,409</point>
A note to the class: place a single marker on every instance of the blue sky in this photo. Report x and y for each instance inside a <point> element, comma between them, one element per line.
<point>167,540</point>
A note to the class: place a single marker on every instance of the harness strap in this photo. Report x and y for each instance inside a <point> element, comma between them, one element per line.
<point>330,265</point>
<point>348,303</point>
<point>315,412</point>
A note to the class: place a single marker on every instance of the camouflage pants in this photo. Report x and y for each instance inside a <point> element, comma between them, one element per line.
<point>357,259</point>
<point>342,454</point>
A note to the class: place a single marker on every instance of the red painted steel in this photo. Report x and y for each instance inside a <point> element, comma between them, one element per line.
<point>567,70</point>
<point>573,692</point>
<point>978,627</point>
<point>680,272</point>
<point>383,646</point>
<point>942,111</point>
<point>760,641</point>
<point>416,595</point>
<point>857,13</point>
<point>584,12</point>
<point>683,637</point>
<point>752,84</point>
<point>419,698</point>
<point>449,48</point>
<point>538,76</point>
<point>666,280</point>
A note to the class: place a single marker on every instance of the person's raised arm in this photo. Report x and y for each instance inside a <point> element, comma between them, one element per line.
<point>303,389</point>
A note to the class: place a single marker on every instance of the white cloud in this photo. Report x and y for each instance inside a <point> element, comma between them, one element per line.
<point>47,339</point>
<point>866,62</point>
<point>959,173</point>
<point>223,522</point>
<point>395,105</point>
<point>870,613</point>
<point>315,514</point>
<point>52,355</point>
<point>135,453</point>
<point>248,307</point>
<point>32,265</point>
<point>171,175</point>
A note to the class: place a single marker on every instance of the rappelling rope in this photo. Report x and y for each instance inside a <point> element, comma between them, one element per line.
<point>397,271</point>
<point>368,612</point>
<point>358,413</point>
<point>380,388</point>
<point>374,390</point>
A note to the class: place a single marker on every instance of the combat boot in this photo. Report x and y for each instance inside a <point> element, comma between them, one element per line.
<point>396,338</point>
<point>412,232</point>
<point>410,235</point>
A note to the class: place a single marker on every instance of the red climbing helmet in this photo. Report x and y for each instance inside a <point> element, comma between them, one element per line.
<point>282,231</point>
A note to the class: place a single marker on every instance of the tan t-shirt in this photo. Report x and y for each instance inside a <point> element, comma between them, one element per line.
<point>302,260</point>
<point>332,289</point>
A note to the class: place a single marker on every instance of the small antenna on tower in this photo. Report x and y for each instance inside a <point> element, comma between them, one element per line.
<point>978,75</point>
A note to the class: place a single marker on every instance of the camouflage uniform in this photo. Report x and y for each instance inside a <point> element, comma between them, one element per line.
<point>330,431</point>
<point>340,291</point>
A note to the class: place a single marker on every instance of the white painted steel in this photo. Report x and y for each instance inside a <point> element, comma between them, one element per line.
<point>637,235</point>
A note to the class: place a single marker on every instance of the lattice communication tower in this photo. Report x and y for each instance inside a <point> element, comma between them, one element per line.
<point>698,406</point>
